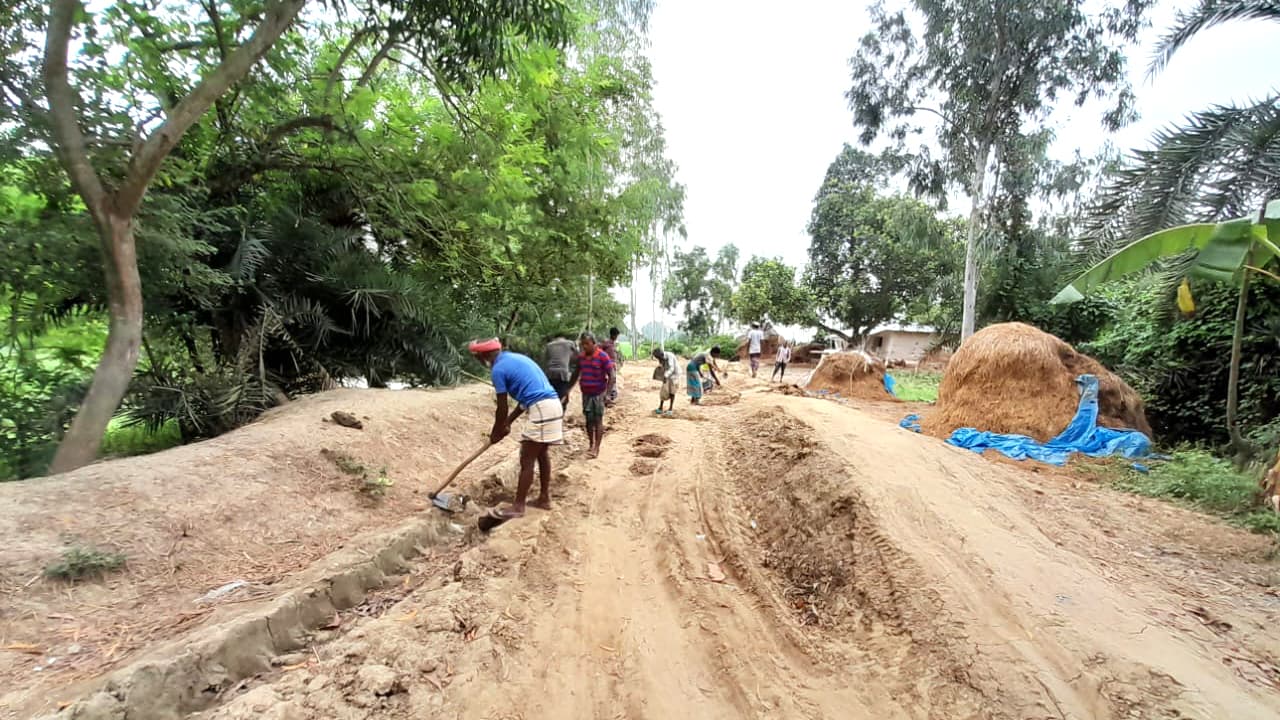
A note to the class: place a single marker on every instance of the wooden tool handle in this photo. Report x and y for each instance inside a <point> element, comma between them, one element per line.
<point>460,468</point>
<point>487,444</point>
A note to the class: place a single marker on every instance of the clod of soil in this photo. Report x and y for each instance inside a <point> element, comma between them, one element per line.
<point>643,466</point>
<point>346,419</point>
<point>651,446</point>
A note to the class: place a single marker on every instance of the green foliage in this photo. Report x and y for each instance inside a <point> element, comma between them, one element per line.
<point>79,563</point>
<point>873,257</point>
<point>373,485</point>
<point>981,76</point>
<point>1211,484</point>
<point>1220,162</point>
<point>44,369</point>
<point>376,486</point>
<point>1019,286</point>
<point>123,439</point>
<point>917,385</point>
<point>1214,251</point>
<point>687,286</point>
<point>1179,366</point>
<point>389,185</point>
<point>995,67</point>
<point>728,344</point>
<point>769,292</point>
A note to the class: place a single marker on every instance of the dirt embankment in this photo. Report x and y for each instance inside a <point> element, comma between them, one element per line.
<point>257,505</point>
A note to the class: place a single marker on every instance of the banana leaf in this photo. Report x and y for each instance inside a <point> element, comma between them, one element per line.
<point>1139,254</point>
<point>1222,258</point>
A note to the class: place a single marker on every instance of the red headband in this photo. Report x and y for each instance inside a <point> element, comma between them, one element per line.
<point>478,347</point>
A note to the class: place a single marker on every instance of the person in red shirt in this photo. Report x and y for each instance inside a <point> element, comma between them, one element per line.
<point>595,376</point>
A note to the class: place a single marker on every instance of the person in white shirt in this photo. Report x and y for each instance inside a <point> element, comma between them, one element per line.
<point>667,373</point>
<point>780,362</point>
<point>755,337</point>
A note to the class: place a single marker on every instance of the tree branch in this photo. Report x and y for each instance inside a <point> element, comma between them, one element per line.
<point>383,52</point>
<point>63,116</point>
<point>847,337</point>
<point>324,122</point>
<point>939,113</point>
<point>184,45</point>
<point>144,165</point>
<point>335,74</point>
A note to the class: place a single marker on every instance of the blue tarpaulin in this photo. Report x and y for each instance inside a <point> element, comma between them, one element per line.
<point>890,384</point>
<point>1083,435</point>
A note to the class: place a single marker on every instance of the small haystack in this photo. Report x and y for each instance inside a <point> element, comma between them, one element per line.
<point>1014,378</point>
<point>807,352</point>
<point>851,375</point>
<point>768,348</point>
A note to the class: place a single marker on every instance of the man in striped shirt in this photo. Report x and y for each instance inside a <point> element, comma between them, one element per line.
<point>595,375</point>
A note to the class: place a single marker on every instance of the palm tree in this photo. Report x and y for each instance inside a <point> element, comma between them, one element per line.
<point>1223,162</point>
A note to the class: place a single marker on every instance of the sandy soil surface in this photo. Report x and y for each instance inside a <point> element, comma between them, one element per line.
<point>787,557</point>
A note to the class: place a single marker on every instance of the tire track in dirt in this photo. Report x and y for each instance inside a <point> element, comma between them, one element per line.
<point>1091,639</point>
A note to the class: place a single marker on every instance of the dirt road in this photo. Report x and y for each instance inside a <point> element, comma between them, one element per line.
<point>786,557</point>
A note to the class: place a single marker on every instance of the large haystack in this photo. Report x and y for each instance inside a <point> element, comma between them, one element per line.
<point>1014,378</point>
<point>851,375</point>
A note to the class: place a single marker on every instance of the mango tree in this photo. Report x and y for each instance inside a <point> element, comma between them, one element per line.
<point>1231,251</point>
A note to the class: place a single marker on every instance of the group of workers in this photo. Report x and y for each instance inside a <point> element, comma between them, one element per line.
<point>543,394</point>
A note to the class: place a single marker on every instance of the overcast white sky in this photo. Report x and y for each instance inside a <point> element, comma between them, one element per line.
<point>752,97</point>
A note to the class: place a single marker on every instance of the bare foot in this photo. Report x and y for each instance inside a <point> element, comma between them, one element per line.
<point>541,503</point>
<point>593,453</point>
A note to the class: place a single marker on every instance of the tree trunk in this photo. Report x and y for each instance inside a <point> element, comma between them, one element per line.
<point>1240,449</point>
<point>635,339</point>
<point>969,312</point>
<point>124,338</point>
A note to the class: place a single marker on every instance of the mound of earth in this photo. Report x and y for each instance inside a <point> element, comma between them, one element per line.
<point>651,445</point>
<point>253,506</point>
<point>1015,378</point>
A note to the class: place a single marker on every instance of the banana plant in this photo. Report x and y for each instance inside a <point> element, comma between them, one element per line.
<point>1230,251</point>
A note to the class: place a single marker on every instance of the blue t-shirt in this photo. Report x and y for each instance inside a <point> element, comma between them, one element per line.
<point>521,378</point>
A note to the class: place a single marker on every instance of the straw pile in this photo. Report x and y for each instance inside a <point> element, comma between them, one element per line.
<point>768,347</point>
<point>851,375</point>
<point>807,352</point>
<point>1014,378</point>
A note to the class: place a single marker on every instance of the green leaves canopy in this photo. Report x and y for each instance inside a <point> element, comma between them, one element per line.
<point>769,292</point>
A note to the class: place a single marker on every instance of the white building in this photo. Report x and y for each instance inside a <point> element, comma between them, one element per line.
<point>900,341</point>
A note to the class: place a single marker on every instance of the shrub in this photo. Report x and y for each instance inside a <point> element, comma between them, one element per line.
<point>78,563</point>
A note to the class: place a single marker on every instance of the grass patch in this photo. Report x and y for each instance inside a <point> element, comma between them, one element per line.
<point>123,440</point>
<point>79,563</point>
<point>917,385</point>
<point>368,483</point>
<point>1198,479</point>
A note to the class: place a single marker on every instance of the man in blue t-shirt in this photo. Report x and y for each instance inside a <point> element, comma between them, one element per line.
<point>520,377</point>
